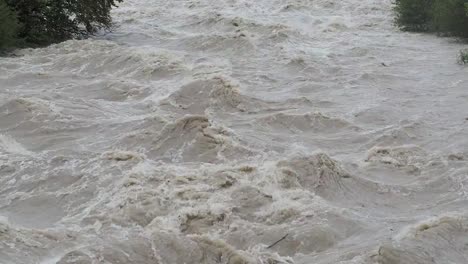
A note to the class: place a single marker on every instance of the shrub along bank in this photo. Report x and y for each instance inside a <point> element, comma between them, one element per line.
<point>446,17</point>
<point>32,23</point>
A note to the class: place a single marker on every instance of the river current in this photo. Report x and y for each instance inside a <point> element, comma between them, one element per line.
<point>235,132</point>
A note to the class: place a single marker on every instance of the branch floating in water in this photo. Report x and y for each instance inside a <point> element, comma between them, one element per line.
<point>281,239</point>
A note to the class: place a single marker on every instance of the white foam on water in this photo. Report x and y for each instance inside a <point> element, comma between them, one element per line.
<point>10,145</point>
<point>217,131</point>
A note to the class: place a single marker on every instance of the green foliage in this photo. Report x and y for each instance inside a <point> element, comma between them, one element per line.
<point>414,15</point>
<point>448,17</point>
<point>49,21</point>
<point>463,57</point>
<point>30,15</point>
<point>8,26</point>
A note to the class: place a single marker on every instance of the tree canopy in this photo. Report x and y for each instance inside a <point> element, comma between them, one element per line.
<point>448,17</point>
<point>8,25</point>
<point>42,22</point>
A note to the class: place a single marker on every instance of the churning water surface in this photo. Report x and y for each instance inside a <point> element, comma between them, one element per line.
<point>204,131</point>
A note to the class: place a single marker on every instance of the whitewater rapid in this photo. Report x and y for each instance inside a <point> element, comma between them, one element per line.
<point>205,131</point>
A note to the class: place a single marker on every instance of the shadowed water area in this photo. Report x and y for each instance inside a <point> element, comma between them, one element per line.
<point>205,131</point>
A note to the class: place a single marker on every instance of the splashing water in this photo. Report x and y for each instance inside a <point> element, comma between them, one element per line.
<point>203,131</point>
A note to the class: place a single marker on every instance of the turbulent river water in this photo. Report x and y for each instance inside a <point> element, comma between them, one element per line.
<point>205,131</point>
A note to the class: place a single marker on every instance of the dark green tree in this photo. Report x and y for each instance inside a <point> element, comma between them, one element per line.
<point>8,26</point>
<point>414,15</point>
<point>449,16</point>
<point>50,21</point>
